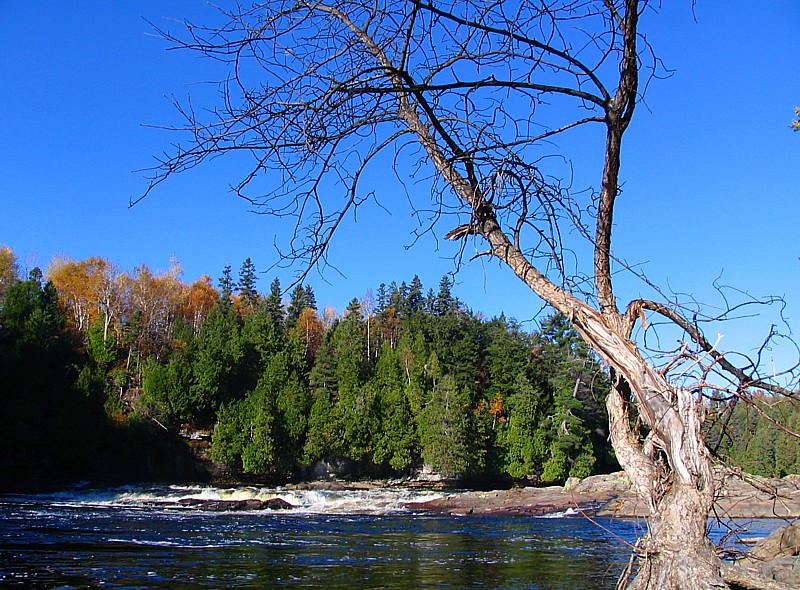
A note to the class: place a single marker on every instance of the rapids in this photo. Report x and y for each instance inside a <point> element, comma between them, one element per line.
<point>142,537</point>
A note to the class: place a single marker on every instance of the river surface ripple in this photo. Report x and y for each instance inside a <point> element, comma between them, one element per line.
<point>141,537</point>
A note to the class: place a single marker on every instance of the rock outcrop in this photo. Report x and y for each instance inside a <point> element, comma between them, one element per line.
<point>222,505</point>
<point>772,563</point>
<point>584,495</point>
<point>739,495</point>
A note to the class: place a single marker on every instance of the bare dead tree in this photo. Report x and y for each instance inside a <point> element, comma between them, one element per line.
<point>476,92</point>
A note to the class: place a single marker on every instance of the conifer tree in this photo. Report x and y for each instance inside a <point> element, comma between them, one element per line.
<point>445,303</point>
<point>416,299</point>
<point>381,299</point>
<point>395,440</point>
<point>324,431</point>
<point>215,366</point>
<point>247,284</point>
<point>355,402</point>
<point>293,405</point>
<point>444,429</point>
<point>50,415</point>
<point>573,377</point>
<point>526,441</point>
<point>301,298</point>
<point>274,305</point>
<point>226,287</point>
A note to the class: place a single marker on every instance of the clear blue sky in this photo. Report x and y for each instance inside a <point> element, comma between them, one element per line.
<point>710,167</point>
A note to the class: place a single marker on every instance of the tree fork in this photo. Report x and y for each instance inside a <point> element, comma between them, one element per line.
<point>355,79</point>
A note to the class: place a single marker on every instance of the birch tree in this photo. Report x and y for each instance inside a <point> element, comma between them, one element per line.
<point>474,95</point>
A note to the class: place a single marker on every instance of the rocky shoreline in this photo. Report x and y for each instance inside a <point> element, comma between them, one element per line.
<point>772,564</point>
<point>739,496</point>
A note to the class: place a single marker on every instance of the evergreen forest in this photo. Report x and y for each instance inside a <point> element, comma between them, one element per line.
<point>122,376</point>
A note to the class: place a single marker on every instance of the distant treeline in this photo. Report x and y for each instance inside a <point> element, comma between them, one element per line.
<point>763,438</point>
<point>100,370</point>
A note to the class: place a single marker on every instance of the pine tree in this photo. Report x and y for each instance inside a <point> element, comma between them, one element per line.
<point>301,298</point>
<point>247,285</point>
<point>226,284</point>
<point>444,429</point>
<point>395,440</point>
<point>274,305</point>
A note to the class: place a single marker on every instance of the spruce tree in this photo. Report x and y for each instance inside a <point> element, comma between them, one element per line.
<point>445,303</point>
<point>395,440</point>
<point>415,297</point>
<point>444,429</point>
<point>226,286</point>
<point>274,305</point>
<point>301,298</point>
<point>381,298</point>
<point>247,285</point>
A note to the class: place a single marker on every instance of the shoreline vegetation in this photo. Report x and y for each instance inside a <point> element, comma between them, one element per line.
<point>115,377</point>
<point>144,378</point>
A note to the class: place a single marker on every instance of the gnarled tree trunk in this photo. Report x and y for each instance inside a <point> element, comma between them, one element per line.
<point>671,468</point>
<point>466,80</point>
<point>675,552</point>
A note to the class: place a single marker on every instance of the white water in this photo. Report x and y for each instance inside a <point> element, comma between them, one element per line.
<point>312,501</point>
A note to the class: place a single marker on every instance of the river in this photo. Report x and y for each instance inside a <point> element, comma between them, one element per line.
<point>139,537</point>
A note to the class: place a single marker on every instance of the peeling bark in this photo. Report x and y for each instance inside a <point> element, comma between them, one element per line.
<point>670,468</point>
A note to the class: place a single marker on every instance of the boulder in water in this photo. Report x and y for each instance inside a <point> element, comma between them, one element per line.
<point>221,505</point>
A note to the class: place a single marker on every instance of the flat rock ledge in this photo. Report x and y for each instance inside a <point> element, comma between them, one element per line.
<point>590,494</point>
<point>772,564</point>
<point>739,496</point>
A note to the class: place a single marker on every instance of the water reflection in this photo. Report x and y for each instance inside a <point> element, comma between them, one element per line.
<point>46,545</point>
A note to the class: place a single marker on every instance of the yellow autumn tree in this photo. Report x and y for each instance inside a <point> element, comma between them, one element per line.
<point>88,291</point>
<point>310,330</point>
<point>9,269</point>
<point>153,301</point>
<point>199,298</point>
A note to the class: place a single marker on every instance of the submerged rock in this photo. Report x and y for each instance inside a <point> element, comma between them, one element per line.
<point>249,504</point>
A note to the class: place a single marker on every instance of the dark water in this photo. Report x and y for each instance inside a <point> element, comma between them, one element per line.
<point>115,541</point>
